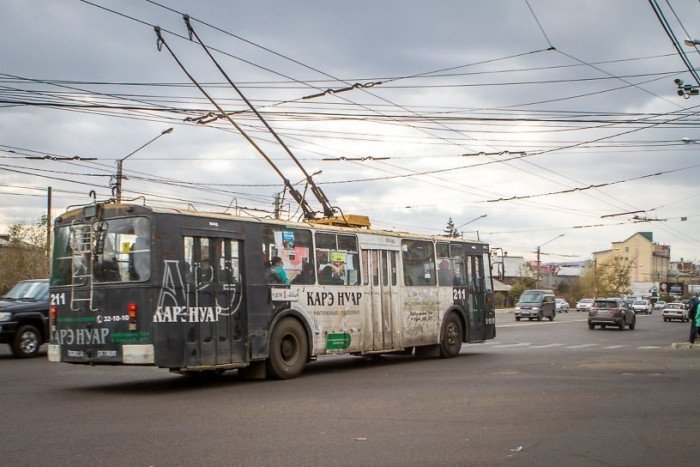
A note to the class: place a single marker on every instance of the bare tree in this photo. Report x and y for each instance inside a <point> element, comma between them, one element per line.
<point>25,257</point>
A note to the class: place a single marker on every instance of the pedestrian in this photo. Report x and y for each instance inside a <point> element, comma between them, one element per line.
<point>694,318</point>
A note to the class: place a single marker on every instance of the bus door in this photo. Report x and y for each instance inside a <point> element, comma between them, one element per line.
<point>475,298</point>
<point>385,321</point>
<point>214,316</point>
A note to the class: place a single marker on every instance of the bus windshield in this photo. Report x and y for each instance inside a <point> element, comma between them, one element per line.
<point>116,250</point>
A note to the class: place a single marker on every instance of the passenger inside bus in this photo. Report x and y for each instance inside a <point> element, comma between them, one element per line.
<point>277,273</point>
<point>326,276</point>
<point>306,276</point>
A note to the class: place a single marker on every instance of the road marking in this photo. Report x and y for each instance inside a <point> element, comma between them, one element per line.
<point>647,347</point>
<point>581,346</point>
<point>546,346</point>
<point>522,344</point>
<point>614,347</point>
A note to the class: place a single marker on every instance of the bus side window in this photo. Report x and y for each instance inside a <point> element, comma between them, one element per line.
<point>418,258</point>
<point>188,255</point>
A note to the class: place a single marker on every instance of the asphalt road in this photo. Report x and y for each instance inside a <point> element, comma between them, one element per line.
<point>540,394</point>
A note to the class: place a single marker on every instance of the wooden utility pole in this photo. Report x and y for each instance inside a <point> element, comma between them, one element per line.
<point>48,222</point>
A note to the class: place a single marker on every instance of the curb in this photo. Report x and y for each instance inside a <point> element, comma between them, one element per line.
<point>685,346</point>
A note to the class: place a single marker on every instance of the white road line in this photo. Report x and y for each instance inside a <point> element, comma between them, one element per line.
<point>647,347</point>
<point>522,344</point>
<point>581,346</point>
<point>614,346</point>
<point>546,346</point>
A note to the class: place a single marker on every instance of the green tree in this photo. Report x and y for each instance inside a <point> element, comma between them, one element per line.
<point>608,279</point>
<point>450,229</point>
<point>25,257</point>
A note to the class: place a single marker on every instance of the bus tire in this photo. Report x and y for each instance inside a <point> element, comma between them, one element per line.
<point>451,341</point>
<point>288,350</point>
<point>27,342</point>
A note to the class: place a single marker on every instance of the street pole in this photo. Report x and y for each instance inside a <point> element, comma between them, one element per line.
<point>120,163</point>
<point>537,285</point>
<point>48,222</point>
<point>538,257</point>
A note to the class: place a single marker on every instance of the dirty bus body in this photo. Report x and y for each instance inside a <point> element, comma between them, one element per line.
<point>195,293</point>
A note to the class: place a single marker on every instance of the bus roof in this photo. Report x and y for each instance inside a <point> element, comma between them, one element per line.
<point>320,224</point>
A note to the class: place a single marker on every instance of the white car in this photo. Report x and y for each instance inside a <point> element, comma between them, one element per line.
<point>642,306</point>
<point>660,305</point>
<point>584,304</point>
<point>675,310</point>
<point>561,305</point>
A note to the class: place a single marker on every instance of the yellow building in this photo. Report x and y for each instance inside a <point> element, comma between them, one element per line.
<point>650,261</point>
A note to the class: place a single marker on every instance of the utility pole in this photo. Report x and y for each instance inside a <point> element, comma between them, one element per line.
<point>537,285</point>
<point>48,222</point>
<point>120,162</point>
<point>277,205</point>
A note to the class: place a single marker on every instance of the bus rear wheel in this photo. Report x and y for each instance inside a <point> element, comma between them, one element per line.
<point>288,350</point>
<point>451,342</point>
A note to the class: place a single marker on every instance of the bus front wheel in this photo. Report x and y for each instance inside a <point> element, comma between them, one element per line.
<point>288,349</point>
<point>451,341</point>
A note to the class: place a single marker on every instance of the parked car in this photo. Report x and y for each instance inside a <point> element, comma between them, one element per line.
<point>24,317</point>
<point>535,304</point>
<point>611,312</point>
<point>642,306</point>
<point>659,305</point>
<point>675,310</point>
<point>561,305</point>
<point>584,304</point>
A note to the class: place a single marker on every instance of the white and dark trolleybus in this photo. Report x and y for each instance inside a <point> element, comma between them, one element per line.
<point>203,293</point>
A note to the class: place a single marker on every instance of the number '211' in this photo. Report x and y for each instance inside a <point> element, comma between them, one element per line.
<point>58,299</point>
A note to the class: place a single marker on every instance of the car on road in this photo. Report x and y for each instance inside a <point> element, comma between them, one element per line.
<point>24,317</point>
<point>535,304</point>
<point>561,305</point>
<point>659,305</point>
<point>584,304</point>
<point>611,312</point>
<point>642,306</point>
<point>675,310</point>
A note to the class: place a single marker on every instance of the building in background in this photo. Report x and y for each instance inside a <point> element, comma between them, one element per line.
<point>649,261</point>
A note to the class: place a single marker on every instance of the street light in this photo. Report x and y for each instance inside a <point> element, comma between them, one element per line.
<point>691,42</point>
<point>538,257</point>
<point>469,222</point>
<point>473,220</point>
<point>120,162</point>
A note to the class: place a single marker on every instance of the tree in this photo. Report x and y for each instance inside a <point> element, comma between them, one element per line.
<point>450,230</point>
<point>608,279</point>
<point>25,257</point>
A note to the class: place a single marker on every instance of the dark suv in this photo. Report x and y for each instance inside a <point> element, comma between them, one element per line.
<point>611,312</point>
<point>24,317</point>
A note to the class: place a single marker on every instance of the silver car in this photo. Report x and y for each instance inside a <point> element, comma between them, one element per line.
<point>675,310</point>
<point>584,304</point>
<point>562,305</point>
<point>642,306</point>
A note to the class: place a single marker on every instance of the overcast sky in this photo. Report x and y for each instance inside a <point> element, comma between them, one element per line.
<point>558,96</point>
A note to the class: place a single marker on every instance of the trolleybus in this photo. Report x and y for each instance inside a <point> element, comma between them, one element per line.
<point>201,293</point>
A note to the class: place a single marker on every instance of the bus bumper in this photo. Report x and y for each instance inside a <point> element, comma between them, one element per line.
<point>131,355</point>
